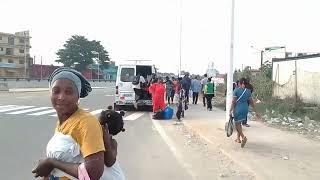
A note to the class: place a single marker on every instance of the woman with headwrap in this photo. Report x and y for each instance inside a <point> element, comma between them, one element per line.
<point>157,91</point>
<point>77,149</point>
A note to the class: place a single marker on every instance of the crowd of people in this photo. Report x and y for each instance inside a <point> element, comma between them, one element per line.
<point>178,91</point>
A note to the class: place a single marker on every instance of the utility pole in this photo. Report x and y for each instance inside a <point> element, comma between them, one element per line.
<point>25,53</point>
<point>98,68</point>
<point>180,40</point>
<point>230,70</point>
<point>261,58</point>
<point>296,80</point>
<point>41,69</point>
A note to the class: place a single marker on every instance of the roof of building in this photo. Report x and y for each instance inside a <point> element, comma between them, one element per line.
<point>295,58</point>
<point>17,34</point>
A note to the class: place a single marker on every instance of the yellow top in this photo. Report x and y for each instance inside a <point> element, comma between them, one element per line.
<point>85,129</point>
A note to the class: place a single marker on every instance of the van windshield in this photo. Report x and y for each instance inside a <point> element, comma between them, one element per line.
<point>127,74</point>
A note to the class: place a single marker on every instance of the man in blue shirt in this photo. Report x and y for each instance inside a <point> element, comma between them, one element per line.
<point>196,88</point>
<point>186,84</point>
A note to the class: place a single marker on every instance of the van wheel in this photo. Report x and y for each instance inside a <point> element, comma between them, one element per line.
<point>115,107</point>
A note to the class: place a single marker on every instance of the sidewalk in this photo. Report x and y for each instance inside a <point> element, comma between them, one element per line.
<point>28,89</point>
<point>269,153</point>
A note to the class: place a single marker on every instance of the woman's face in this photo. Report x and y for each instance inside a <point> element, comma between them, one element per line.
<point>64,96</point>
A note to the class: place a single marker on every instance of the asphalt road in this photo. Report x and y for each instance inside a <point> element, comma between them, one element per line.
<point>143,152</point>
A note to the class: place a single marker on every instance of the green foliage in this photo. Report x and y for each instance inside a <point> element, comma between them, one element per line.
<point>262,81</point>
<point>221,88</point>
<point>246,73</point>
<point>262,87</point>
<point>78,52</point>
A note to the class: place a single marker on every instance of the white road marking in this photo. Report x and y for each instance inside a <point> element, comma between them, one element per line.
<point>43,112</point>
<point>24,97</point>
<point>7,106</point>
<point>15,108</point>
<point>109,95</point>
<point>96,111</point>
<point>172,147</point>
<point>133,116</point>
<point>28,110</point>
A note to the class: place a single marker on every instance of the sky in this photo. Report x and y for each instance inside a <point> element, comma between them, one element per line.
<point>150,29</point>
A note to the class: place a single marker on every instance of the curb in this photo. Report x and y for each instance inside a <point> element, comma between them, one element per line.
<point>28,89</point>
<point>190,129</point>
<point>39,89</point>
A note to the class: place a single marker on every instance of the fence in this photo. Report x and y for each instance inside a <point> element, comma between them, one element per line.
<point>297,77</point>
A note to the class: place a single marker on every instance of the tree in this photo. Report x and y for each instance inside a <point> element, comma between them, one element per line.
<point>263,83</point>
<point>78,52</point>
<point>266,69</point>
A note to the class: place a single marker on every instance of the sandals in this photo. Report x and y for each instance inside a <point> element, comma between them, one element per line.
<point>243,142</point>
<point>237,141</point>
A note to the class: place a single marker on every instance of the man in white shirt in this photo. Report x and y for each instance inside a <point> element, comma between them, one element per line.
<point>137,89</point>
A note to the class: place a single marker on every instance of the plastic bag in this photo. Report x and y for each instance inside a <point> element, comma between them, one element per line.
<point>229,126</point>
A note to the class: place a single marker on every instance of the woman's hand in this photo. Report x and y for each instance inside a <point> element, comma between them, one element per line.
<point>106,135</point>
<point>43,169</point>
<point>111,147</point>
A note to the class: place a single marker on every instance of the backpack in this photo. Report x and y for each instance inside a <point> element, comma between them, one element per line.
<point>136,80</point>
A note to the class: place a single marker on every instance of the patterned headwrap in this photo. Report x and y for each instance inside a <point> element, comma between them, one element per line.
<point>83,86</point>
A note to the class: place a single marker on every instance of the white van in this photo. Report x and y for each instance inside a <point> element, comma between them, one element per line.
<point>125,95</point>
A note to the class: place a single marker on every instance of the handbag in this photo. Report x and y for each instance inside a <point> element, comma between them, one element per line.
<point>229,126</point>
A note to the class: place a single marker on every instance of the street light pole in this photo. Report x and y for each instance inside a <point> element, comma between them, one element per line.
<point>261,55</point>
<point>230,70</point>
<point>95,52</point>
<point>25,54</point>
<point>261,58</point>
<point>98,68</point>
<point>180,40</point>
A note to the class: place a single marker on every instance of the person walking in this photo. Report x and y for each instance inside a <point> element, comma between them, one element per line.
<point>186,84</point>
<point>209,93</point>
<point>204,82</point>
<point>239,109</point>
<point>250,88</point>
<point>181,103</point>
<point>137,88</point>
<point>169,89</point>
<point>196,88</point>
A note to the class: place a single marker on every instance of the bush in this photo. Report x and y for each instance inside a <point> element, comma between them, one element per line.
<point>262,88</point>
<point>221,88</point>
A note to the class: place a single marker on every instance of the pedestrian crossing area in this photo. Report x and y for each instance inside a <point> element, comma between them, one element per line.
<point>25,110</point>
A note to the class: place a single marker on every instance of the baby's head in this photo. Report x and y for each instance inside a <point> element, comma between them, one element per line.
<point>113,119</point>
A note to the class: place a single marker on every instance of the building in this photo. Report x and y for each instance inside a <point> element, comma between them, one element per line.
<point>297,77</point>
<point>110,73</point>
<point>211,71</point>
<point>38,71</point>
<point>15,57</point>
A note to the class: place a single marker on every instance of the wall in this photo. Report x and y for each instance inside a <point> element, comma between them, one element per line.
<point>10,84</point>
<point>308,79</point>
